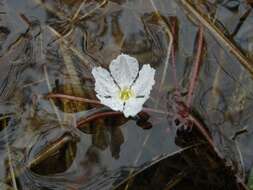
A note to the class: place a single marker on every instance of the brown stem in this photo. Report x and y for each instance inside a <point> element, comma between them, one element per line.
<point>74,98</point>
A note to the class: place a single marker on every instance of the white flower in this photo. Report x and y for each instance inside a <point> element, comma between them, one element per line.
<point>125,88</point>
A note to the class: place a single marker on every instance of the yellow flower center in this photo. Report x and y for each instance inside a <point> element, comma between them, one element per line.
<point>125,94</point>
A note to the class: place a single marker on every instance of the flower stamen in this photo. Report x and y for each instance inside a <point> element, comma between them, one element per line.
<point>126,94</point>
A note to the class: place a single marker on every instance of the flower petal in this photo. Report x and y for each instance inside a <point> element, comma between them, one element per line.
<point>104,84</point>
<point>141,88</point>
<point>124,70</point>
<point>114,103</point>
<point>133,106</point>
<point>106,89</point>
<point>144,82</point>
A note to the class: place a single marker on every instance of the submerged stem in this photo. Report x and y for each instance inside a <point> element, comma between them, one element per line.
<point>195,70</point>
<point>96,102</point>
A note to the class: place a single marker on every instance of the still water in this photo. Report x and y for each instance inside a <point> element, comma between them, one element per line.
<point>50,46</point>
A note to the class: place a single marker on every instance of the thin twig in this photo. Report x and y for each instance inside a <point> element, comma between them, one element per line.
<point>13,177</point>
<point>93,10</point>
<point>49,151</point>
<point>12,172</point>
<point>176,179</point>
<point>25,19</point>
<point>50,90</point>
<point>75,16</point>
<point>33,83</point>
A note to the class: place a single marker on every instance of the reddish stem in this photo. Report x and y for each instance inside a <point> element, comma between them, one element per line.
<point>196,68</point>
<point>203,131</point>
<point>174,31</point>
<point>81,99</point>
<point>81,122</point>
